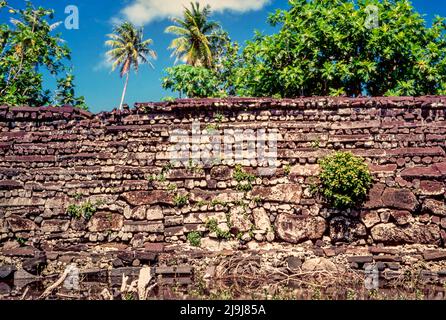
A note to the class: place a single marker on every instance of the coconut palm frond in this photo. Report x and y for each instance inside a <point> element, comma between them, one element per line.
<point>194,33</point>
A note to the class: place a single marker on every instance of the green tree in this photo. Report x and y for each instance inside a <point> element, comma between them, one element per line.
<point>128,49</point>
<point>194,82</point>
<point>28,46</point>
<point>196,36</point>
<point>218,81</point>
<point>326,47</point>
<point>65,93</point>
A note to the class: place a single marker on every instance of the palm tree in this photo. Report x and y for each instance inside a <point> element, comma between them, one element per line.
<point>195,36</point>
<point>128,49</point>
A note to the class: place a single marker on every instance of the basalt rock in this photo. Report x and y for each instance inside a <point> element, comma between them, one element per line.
<point>7,272</point>
<point>138,198</point>
<point>435,207</point>
<point>104,221</point>
<point>16,224</point>
<point>391,234</point>
<point>297,229</point>
<point>285,193</point>
<point>35,265</point>
<point>399,199</point>
<point>343,229</point>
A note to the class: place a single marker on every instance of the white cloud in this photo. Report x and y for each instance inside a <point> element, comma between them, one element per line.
<point>103,64</point>
<point>142,12</point>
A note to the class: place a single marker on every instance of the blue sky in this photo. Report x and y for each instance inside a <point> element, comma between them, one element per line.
<point>103,89</point>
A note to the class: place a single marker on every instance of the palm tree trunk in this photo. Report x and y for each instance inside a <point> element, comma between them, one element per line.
<point>124,91</point>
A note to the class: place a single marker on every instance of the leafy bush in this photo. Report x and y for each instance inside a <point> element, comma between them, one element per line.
<point>194,238</point>
<point>344,179</point>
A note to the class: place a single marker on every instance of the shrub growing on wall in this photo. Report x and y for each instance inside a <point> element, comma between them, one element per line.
<point>344,179</point>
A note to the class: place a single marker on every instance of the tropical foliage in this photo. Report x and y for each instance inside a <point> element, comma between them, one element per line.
<point>65,93</point>
<point>197,36</point>
<point>201,82</point>
<point>194,82</point>
<point>28,47</point>
<point>128,50</point>
<point>327,47</point>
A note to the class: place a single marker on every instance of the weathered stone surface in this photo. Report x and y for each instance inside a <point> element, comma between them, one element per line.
<point>10,184</point>
<point>154,213</point>
<point>175,231</point>
<point>399,199</point>
<point>170,221</point>
<point>3,226</point>
<point>4,289</point>
<point>35,265</point>
<point>146,256</point>
<point>285,193</point>
<point>154,247</point>
<point>7,271</point>
<point>21,202</point>
<point>23,275</point>
<point>294,263</point>
<point>55,225</point>
<point>435,207</point>
<point>370,218</point>
<point>203,217</point>
<point>421,172</point>
<point>374,200</point>
<point>19,251</point>
<point>393,235</point>
<point>360,259</point>
<point>225,196</point>
<point>221,173</point>
<point>142,226</point>
<point>319,264</point>
<point>137,213</point>
<point>308,170</point>
<point>261,219</point>
<point>105,221</point>
<point>57,203</point>
<point>16,223</point>
<point>431,188</point>
<point>343,229</point>
<point>297,229</point>
<point>131,272</point>
<point>402,217</point>
<point>239,219</point>
<point>434,255</point>
<point>139,198</point>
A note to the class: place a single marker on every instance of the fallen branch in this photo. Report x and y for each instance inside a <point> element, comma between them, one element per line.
<point>24,293</point>
<point>59,281</point>
<point>145,276</point>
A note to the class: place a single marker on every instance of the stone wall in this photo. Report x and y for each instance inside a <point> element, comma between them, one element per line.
<point>54,158</point>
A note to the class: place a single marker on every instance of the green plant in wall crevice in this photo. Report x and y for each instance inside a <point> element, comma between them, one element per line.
<point>84,210</point>
<point>194,238</point>
<point>243,178</point>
